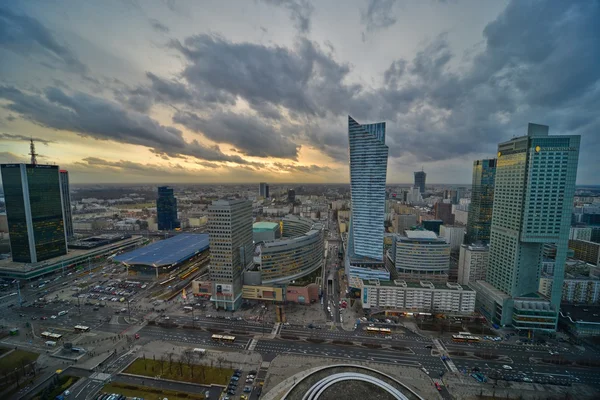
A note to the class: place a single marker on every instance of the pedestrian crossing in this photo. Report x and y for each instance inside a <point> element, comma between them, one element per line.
<point>252,344</point>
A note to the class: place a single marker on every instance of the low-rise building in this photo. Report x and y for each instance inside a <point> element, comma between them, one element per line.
<point>424,296</point>
<point>586,251</point>
<point>580,233</point>
<point>265,231</point>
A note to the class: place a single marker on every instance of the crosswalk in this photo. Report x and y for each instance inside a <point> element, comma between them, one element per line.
<point>252,344</point>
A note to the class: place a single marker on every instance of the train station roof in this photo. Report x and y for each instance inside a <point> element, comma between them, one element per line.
<point>174,250</point>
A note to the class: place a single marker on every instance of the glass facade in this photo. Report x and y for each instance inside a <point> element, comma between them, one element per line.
<point>66,201</point>
<point>482,200</point>
<point>420,177</point>
<point>166,209</point>
<point>533,196</point>
<point>368,170</point>
<point>34,212</point>
<point>15,212</point>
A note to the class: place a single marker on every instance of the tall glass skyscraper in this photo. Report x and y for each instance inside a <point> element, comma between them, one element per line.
<point>34,212</point>
<point>533,198</point>
<point>368,170</point>
<point>420,177</point>
<point>482,200</point>
<point>166,209</point>
<point>65,192</point>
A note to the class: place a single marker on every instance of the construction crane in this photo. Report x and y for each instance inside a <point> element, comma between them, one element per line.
<point>32,152</point>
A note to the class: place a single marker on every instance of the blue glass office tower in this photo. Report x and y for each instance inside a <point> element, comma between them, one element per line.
<point>166,209</point>
<point>533,198</point>
<point>482,201</point>
<point>368,170</point>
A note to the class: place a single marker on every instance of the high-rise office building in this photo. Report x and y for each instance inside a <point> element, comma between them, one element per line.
<point>231,249</point>
<point>166,209</point>
<point>263,190</point>
<point>473,263</point>
<point>443,211</point>
<point>368,170</point>
<point>291,196</point>
<point>482,201</point>
<point>66,203</point>
<point>34,212</point>
<point>420,181</point>
<point>533,198</point>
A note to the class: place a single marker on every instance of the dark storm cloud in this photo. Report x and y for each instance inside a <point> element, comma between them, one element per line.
<point>158,26</point>
<point>25,35</point>
<point>300,12</point>
<point>101,119</point>
<point>304,169</point>
<point>11,136</point>
<point>248,134</point>
<point>378,15</point>
<point>303,79</point>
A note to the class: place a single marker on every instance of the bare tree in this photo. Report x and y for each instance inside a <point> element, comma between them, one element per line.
<point>180,361</point>
<point>170,355</point>
<point>162,363</point>
<point>220,360</point>
<point>188,358</point>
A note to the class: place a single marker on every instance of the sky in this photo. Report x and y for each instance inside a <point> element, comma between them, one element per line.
<point>132,91</point>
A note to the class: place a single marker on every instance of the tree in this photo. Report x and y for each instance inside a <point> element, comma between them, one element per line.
<point>170,355</point>
<point>180,361</point>
<point>162,363</point>
<point>188,358</point>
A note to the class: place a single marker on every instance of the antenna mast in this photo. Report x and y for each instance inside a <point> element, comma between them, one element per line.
<point>32,152</point>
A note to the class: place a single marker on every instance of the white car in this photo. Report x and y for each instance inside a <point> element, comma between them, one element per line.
<point>53,316</point>
<point>507,367</point>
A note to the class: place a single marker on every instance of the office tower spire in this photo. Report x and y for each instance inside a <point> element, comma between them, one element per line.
<point>32,152</point>
<point>368,169</point>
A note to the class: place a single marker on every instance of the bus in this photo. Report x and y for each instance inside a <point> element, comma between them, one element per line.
<point>465,338</point>
<point>383,331</point>
<point>82,328</point>
<point>199,351</point>
<point>51,336</point>
<point>223,338</point>
<point>188,309</point>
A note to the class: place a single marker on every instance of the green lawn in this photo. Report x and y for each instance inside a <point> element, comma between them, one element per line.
<point>3,350</point>
<point>58,387</point>
<point>199,373</point>
<point>148,392</point>
<point>15,359</point>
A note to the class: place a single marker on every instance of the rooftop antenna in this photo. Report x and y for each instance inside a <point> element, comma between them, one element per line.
<point>32,152</point>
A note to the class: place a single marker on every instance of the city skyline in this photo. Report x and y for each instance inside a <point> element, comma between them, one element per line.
<point>158,99</point>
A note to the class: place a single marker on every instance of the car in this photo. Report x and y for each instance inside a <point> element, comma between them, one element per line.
<point>507,367</point>
<point>247,389</point>
<point>437,386</point>
<point>137,335</point>
<point>475,369</point>
<point>235,378</point>
<point>251,376</point>
<point>21,315</point>
<point>43,318</point>
<point>53,316</point>
<point>33,318</point>
<point>243,397</point>
<point>231,392</point>
<point>252,373</point>
<point>429,346</point>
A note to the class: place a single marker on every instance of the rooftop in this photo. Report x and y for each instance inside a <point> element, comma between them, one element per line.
<point>422,284</point>
<point>581,313</point>
<point>265,226</point>
<point>167,252</point>
<point>421,235</point>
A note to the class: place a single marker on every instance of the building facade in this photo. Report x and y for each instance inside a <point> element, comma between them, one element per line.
<point>453,235</point>
<point>263,190</point>
<point>533,197</point>
<point>65,193</point>
<point>34,212</point>
<point>473,263</point>
<point>482,201</point>
<point>420,255</point>
<point>443,212</point>
<point>368,170</point>
<point>292,257</point>
<point>291,196</point>
<point>420,177</point>
<point>265,231</point>
<point>578,233</point>
<point>404,222</point>
<point>586,251</point>
<point>166,209</point>
<point>231,249</point>
<point>449,298</point>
